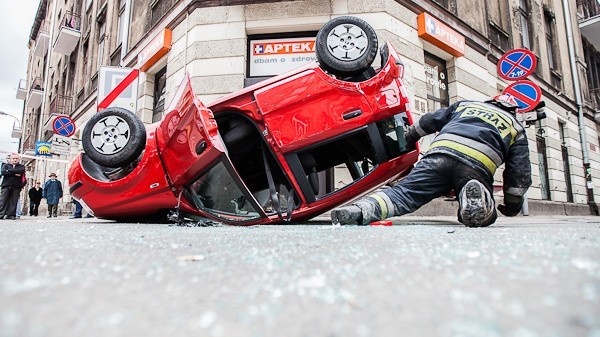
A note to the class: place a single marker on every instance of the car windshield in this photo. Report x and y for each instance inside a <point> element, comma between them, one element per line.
<point>217,193</point>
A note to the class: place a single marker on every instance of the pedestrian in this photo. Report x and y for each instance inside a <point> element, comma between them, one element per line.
<point>78,210</point>
<point>12,183</point>
<point>474,139</point>
<point>35,198</point>
<point>52,193</point>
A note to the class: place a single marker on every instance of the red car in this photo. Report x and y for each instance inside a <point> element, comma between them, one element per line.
<point>265,154</point>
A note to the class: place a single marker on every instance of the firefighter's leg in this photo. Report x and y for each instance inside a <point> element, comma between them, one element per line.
<point>475,197</point>
<point>429,179</point>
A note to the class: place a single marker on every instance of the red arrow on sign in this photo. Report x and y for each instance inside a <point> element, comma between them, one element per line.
<point>118,89</point>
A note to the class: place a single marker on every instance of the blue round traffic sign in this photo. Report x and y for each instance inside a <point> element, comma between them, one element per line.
<point>526,93</point>
<point>64,126</point>
<point>517,64</point>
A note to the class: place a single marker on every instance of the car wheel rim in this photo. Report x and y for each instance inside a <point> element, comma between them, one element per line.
<point>110,135</point>
<point>347,42</point>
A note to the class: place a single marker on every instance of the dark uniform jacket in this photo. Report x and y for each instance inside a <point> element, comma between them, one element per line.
<point>10,179</point>
<point>484,136</point>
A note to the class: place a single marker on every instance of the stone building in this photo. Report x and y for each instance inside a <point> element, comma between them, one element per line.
<point>214,41</point>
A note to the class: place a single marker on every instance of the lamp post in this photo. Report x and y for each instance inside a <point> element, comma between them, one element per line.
<point>17,132</point>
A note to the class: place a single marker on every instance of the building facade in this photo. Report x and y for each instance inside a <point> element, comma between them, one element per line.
<point>216,41</point>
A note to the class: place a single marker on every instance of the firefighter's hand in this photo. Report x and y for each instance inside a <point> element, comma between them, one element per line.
<point>411,137</point>
<point>510,209</point>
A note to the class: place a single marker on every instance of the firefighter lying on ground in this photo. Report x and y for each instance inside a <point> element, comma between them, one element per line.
<point>474,139</point>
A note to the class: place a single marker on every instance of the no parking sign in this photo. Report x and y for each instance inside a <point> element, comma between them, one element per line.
<point>63,126</point>
<point>526,93</point>
<point>517,64</point>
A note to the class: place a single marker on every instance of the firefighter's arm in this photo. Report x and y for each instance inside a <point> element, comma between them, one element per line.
<point>430,122</point>
<point>516,176</point>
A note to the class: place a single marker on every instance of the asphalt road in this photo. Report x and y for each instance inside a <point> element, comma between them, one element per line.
<point>522,277</point>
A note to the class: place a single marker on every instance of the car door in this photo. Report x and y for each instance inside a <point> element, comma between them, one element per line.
<point>188,140</point>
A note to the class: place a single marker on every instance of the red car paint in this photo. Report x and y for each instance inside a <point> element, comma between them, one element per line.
<point>292,112</point>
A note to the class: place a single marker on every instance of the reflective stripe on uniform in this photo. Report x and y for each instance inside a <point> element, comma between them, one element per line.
<point>382,205</point>
<point>419,129</point>
<point>480,147</point>
<point>468,151</point>
<point>518,191</point>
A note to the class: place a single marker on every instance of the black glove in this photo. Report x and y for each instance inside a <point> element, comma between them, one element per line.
<point>411,136</point>
<point>510,209</point>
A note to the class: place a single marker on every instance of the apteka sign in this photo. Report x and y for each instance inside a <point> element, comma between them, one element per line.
<point>276,56</point>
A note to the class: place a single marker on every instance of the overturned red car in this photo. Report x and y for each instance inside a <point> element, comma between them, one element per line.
<point>259,155</point>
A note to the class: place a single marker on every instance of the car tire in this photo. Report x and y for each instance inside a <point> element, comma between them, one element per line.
<point>114,137</point>
<point>346,46</point>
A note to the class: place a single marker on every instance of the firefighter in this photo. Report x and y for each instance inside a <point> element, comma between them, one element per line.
<point>474,139</point>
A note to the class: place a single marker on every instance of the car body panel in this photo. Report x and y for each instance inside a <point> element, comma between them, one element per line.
<point>140,193</point>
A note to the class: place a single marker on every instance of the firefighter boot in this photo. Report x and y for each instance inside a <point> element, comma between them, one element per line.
<point>476,205</point>
<point>350,214</point>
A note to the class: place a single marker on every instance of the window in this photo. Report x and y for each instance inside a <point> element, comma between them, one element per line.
<point>497,12</point>
<point>450,5</point>
<point>218,193</point>
<point>549,40</point>
<point>524,20</point>
<point>101,35</point>
<point>437,82</point>
<point>158,9</point>
<point>158,106</point>
<point>592,59</point>
<point>121,23</point>
<point>565,157</point>
<point>542,160</point>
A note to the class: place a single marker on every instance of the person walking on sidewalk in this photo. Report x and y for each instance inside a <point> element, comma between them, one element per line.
<point>12,182</point>
<point>474,139</point>
<point>52,193</point>
<point>35,198</point>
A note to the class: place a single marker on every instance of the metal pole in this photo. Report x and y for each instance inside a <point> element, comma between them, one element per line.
<point>580,115</point>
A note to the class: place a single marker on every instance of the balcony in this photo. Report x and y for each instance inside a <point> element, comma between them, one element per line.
<point>588,12</point>
<point>36,93</point>
<point>22,90</point>
<point>60,106</point>
<point>69,34</point>
<point>42,41</point>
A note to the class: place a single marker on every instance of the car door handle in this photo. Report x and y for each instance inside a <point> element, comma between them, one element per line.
<point>351,114</point>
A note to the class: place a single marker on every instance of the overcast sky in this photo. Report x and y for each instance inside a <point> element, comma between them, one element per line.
<point>16,19</point>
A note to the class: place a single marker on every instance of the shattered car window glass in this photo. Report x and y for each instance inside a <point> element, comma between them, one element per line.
<point>217,193</point>
<point>392,131</point>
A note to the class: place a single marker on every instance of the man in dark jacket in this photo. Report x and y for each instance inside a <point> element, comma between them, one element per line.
<point>52,193</point>
<point>12,183</point>
<point>474,139</point>
<point>35,198</point>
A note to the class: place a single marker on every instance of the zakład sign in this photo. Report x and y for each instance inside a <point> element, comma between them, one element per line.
<point>434,31</point>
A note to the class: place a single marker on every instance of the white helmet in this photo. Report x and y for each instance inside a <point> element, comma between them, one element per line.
<point>506,102</point>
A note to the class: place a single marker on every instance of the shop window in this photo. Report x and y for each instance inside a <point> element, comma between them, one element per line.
<point>436,75</point>
<point>158,106</point>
